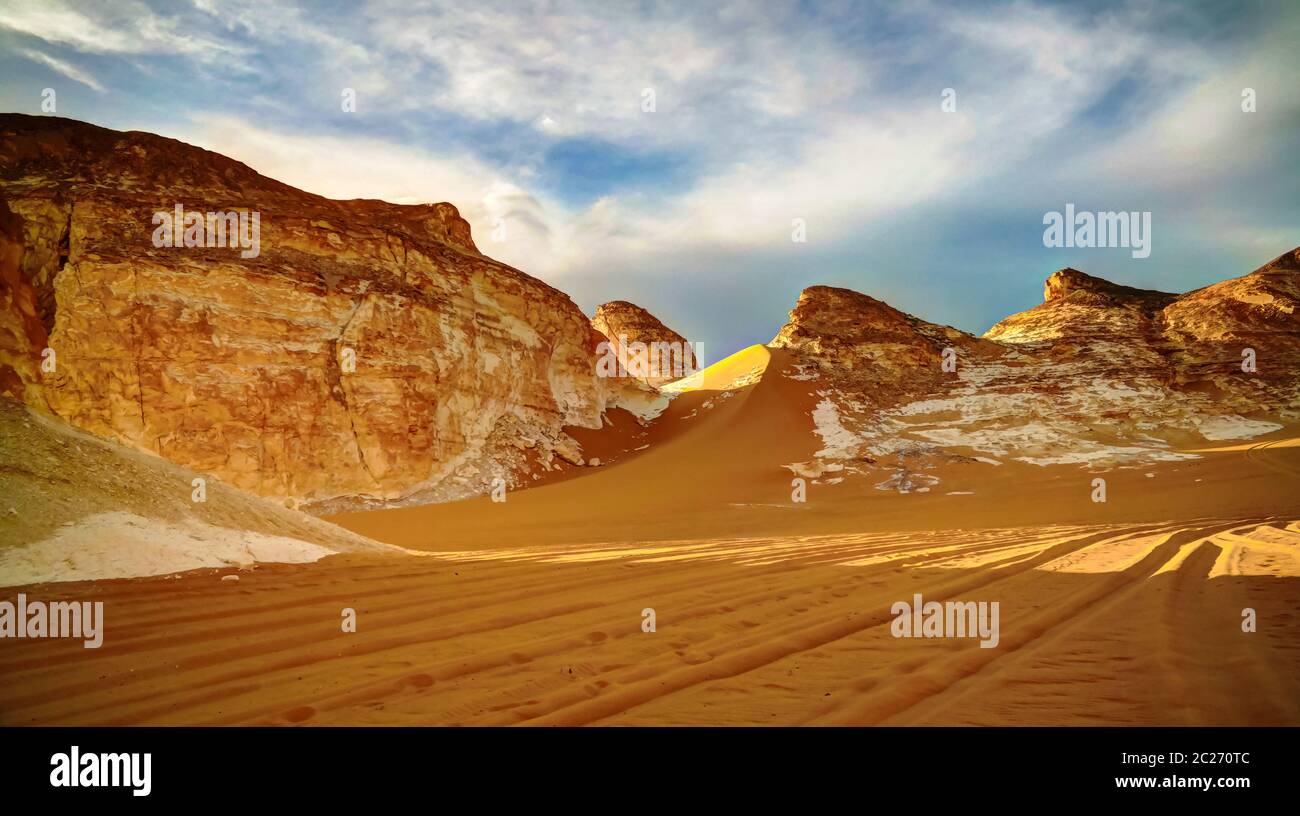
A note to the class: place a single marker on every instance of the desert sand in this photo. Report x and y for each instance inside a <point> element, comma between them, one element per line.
<point>767,611</point>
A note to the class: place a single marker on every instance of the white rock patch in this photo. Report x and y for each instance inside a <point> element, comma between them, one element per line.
<point>124,545</point>
<point>837,441</point>
<point>1222,428</point>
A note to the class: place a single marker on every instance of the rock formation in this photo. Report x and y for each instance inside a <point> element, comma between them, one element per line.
<point>1098,374</point>
<point>368,349</point>
<point>1079,307</point>
<point>868,346</point>
<point>1197,343</point>
<point>649,350</point>
<point>1247,322</point>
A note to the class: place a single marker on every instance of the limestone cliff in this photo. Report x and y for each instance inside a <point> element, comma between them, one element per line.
<point>367,349</point>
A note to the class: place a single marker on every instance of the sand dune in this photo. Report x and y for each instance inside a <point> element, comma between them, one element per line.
<point>712,451</point>
<point>1101,624</point>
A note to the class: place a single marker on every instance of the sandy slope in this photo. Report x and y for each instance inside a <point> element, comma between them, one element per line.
<point>75,507</point>
<point>767,611</point>
<point>713,460</point>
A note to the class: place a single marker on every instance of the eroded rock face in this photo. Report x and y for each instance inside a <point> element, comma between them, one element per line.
<point>368,350</point>
<point>1193,343</point>
<point>1099,374</point>
<point>863,357</point>
<point>1078,307</point>
<point>1265,303</point>
<point>1069,282</point>
<point>22,328</point>
<point>662,355</point>
<point>868,345</point>
<point>1252,321</point>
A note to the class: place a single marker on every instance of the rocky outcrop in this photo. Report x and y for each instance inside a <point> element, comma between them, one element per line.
<point>642,345</point>
<point>365,349</point>
<point>867,345</point>
<point>1098,374</point>
<point>1204,342</point>
<point>23,330</point>
<point>1263,304</point>
<point>1078,307</point>
<point>1239,340</point>
<point>864,357</point>
<point>1069,282</point>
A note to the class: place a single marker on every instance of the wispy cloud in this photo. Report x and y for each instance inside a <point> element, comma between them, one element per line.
<point>581,69</point>
<point>127,27</point>
<point>70,71</point>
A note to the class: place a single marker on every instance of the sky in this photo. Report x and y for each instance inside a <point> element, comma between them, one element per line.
<point>670,153</point>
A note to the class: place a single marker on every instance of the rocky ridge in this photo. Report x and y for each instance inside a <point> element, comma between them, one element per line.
<point>1098,375</point>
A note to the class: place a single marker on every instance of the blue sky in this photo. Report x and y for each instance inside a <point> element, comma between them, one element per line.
<point>532,116</point>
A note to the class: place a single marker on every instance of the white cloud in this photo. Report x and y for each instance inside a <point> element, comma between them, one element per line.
<point>1189,154</point>
<point>1202,134</point>
<point>338,167</point>
<point>119,28</point>
<point>581,69</point>
<point>273,25</point>
<point>1022,73</point>
<point>70,71</point>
